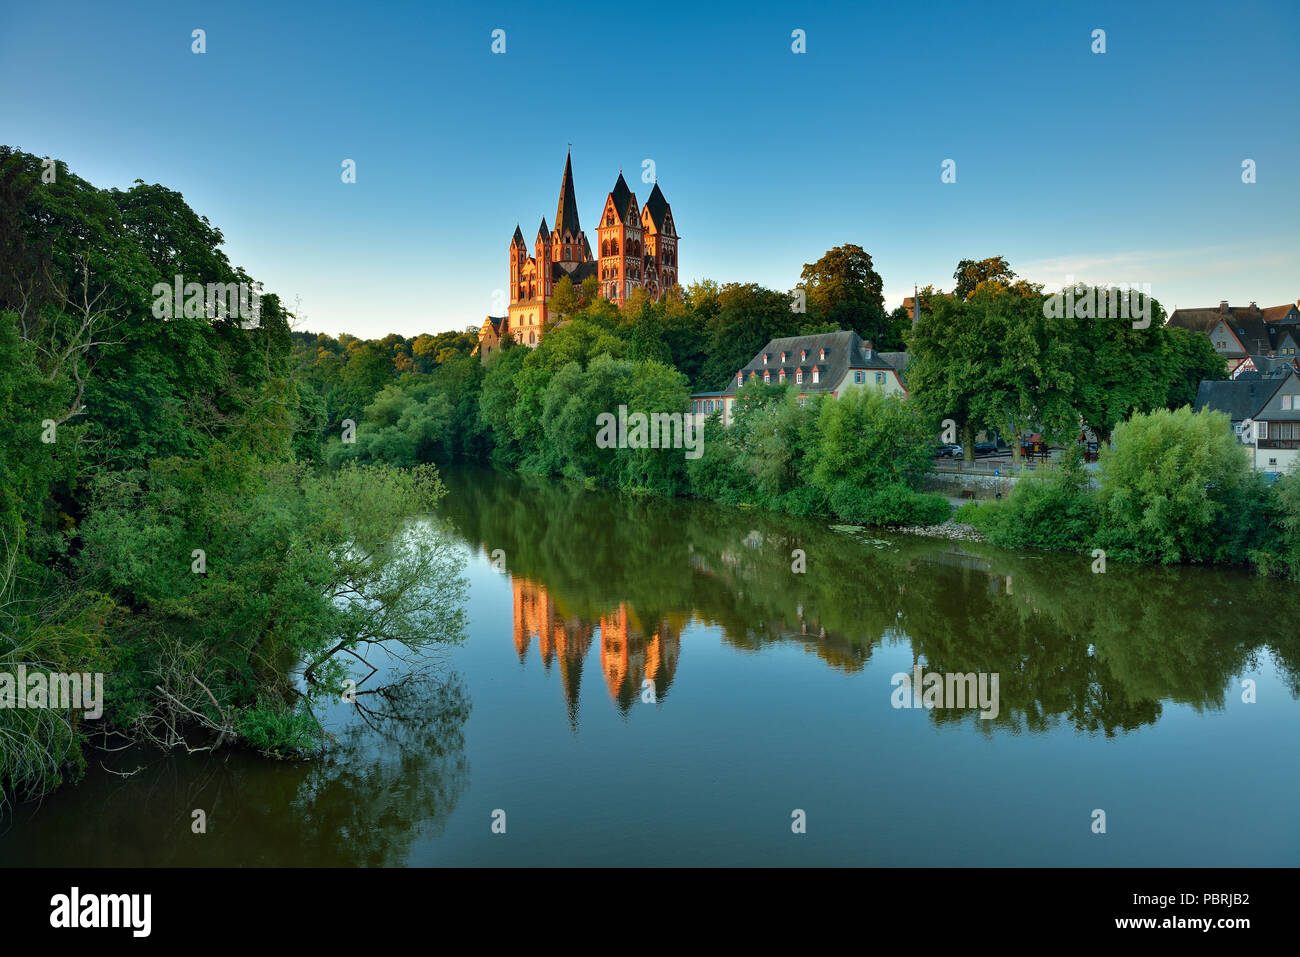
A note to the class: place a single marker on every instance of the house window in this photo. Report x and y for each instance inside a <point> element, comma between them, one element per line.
<point>764,358</point>
<point>798,376</point>
<point>740,378</point>
<point>783,358</point>
<point>780,376</point>
<point>859,377</point>
<point>767,375</point>
<point>1286,403</point>
<point>823,353</point>
<point>880,378</point>
<point>816,375</point>
<point>803,401</point>
<point>1261,430</point>
<point>803,355</point>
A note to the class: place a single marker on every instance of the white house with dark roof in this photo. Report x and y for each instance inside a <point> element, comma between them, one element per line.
<point>825,364</point>
<point>1277,427</point>
<point>1265,414</point>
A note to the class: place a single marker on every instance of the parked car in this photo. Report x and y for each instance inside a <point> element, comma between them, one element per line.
<point>948,451</point>
<point>985,448</point>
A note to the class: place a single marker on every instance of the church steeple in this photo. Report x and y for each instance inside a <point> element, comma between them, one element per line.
<point>566,210</point>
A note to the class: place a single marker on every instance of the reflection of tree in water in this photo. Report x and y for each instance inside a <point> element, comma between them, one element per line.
<point>363,804</point>
<point>385,780</point>
<point>1100,652</point>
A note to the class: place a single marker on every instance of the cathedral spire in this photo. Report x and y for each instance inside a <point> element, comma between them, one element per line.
<point>566,211</point>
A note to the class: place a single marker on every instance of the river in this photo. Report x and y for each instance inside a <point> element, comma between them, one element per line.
<point>653,682</point>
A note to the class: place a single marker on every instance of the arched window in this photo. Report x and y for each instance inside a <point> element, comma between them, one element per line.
<point>532,338</point>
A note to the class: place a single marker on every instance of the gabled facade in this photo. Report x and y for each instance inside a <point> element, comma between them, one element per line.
<point>1238,332</point>
<point>1264,410</point>
<point>1277,427</point>
<point>489,336</point>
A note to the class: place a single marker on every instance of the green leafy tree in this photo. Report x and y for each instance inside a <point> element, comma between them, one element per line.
<point>970,273</point>
<point>843,289</point>
<point>1168,484</point>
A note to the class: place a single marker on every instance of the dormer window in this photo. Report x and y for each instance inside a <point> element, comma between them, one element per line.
<point>783,358</point>
<point>816,375</point>
<point>780,376</point>
<point>767,376</point>
<point>764,358</point>
<point>823,355</point>
<point>798,376</point>
<point>740,378</point>
<point>803,355</point>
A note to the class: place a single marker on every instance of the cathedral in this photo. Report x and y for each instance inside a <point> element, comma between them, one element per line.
<point>637,250</point>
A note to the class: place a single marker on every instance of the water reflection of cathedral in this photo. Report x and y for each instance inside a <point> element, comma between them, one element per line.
<point>631,651</point>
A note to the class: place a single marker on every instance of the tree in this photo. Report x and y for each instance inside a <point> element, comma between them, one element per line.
<point>1166,484</point>
<point>565,300</point>
<point>871,440</point>
<point>994,362</point>
<point>748,317</point>
<point>844,288</point>
<point>970,273</point>
<point>1190,357</point>
<point>1120,370</point>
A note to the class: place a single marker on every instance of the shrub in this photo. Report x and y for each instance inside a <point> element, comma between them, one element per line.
<point>890,505</point>
<point>1052,509</point>
<point>275,731</point>
<point>1170,484</point>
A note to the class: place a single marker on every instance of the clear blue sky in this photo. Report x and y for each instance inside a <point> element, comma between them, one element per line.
<point>1115,167</point>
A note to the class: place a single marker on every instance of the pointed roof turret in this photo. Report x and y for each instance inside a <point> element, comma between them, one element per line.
<point>518,239</point>
<point>566,210</point>
<point>657,205</point>
<point>543,232</point>
<point>622,197</point>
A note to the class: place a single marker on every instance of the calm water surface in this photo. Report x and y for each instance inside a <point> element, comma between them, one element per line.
<point>771,692</point>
